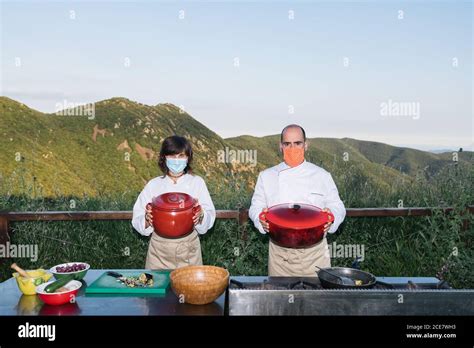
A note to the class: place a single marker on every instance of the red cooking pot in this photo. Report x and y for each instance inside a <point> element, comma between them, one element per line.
<point>295,225</point>
<point>173,214</point>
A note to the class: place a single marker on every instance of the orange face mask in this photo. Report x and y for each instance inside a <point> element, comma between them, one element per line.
<point>293,156</point>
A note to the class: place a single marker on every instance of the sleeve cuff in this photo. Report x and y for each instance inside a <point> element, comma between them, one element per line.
<point>201,228</point>
<point>260,228</point>
<point>149,230</point>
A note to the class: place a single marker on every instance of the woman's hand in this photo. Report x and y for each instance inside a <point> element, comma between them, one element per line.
<point>148,216</point>
<point>265,224</point>
<point>198,213</point>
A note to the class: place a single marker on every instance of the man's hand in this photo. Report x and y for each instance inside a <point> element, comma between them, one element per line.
<point>198,214</point>
<point>265,224</point>
<point>148,216</point>
<point>328,225</point>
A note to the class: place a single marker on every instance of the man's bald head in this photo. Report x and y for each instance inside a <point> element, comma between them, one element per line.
<point>292,127</point>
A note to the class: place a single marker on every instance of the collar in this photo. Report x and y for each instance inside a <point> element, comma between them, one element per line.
<point>283,166</point>
<point>179,180</point>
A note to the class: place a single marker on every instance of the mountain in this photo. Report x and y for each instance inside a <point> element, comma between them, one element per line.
<point>115,151</point>
<point>410,161</point>
<point>382,162</point>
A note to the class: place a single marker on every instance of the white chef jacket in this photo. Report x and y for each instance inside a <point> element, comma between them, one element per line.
<point>306,183</point>
<point>193,185</point>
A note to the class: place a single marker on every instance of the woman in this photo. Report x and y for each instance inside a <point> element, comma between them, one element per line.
<point>176,156</point>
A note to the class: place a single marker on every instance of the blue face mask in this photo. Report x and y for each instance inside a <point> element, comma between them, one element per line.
<point>176,165</point>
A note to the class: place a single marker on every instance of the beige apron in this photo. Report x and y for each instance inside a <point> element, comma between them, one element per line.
<point>292,262</point>
<point>166,253</point>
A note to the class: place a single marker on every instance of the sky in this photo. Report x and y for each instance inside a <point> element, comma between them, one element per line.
<point>389,71</point>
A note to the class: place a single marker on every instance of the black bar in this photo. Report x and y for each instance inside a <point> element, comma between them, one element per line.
<point>240,330</point>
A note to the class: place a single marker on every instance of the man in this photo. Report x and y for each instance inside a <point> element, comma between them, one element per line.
<point>296,181</point>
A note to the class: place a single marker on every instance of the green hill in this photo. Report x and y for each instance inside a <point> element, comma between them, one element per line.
<point>379,163</point>
<point>407,160</point>
<point>116,151</point>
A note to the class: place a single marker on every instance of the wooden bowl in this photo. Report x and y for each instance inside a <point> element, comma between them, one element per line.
<point>199,284</point>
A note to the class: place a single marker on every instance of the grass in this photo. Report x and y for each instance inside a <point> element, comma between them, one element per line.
<point>411,246</point>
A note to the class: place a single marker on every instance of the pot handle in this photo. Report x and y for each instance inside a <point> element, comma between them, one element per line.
<point>330,216</point>
<point>196,207</point>
<point>263,216</point>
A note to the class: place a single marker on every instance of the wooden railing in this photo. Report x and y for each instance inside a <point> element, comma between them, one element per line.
<point>241,216</point>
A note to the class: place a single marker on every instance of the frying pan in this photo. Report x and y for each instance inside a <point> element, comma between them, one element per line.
<point>329,281</point>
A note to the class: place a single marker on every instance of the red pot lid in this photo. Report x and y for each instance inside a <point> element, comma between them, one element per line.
<point>297,216</point>
<point>173,201</point>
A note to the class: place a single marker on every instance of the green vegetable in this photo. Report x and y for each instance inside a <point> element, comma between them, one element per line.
<point>58,283</point>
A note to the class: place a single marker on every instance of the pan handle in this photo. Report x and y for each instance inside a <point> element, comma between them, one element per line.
<point>389,286</point>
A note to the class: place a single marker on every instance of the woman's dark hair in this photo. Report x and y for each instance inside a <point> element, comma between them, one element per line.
<point>174,145</point>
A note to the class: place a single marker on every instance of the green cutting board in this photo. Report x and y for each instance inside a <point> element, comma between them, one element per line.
<point>106,284</point>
